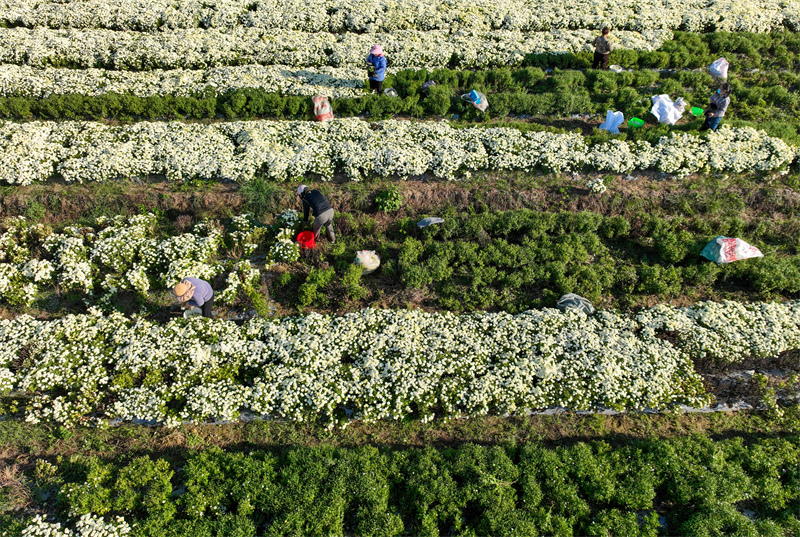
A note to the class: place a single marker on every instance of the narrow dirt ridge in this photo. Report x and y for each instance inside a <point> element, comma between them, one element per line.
<point>628,194</point>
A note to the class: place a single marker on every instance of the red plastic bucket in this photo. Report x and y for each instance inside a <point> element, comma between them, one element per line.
<point>306,239</point>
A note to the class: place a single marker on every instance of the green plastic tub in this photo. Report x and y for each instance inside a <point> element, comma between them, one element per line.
<point>697,112</point>
<point>635,122</point>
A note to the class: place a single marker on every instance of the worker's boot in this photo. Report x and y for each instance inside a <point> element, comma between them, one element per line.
<point>331,235</point>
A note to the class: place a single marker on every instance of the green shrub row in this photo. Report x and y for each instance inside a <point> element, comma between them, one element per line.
<point>769,94</point>
<point>690,486</point>
<point>743,50</point>
<point>771,98</point>
<point>527,91</point>
<point>522,259</point>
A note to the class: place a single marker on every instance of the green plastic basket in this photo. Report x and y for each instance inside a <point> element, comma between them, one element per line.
<point>697,112</point>
<point>635,122</point>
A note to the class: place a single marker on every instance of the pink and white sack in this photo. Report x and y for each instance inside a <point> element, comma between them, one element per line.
<point>727,249</point>
<point>322,108</point>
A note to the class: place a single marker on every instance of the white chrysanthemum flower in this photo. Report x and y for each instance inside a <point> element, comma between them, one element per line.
<point>287,149</point>
<point>88,525</point>
<point>380,364</point>
<point>597,186</point>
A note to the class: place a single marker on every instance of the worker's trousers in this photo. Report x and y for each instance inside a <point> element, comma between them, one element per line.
<point>601,60</point>
<point>324,219</point>
<point>207,308</point>
<point>711,123</point>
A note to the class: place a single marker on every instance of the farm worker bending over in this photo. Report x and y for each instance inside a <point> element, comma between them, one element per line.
<point>320,208</point>
<point>602,49</point>
<point>718,103</point>
<point>195,292</point>
<point>376,66</point>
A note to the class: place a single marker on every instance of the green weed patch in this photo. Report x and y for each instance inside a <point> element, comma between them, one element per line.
<point>683,486</point>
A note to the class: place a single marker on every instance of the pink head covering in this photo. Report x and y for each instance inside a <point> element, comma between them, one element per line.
<point>183,291</point>
<point>376,50</point>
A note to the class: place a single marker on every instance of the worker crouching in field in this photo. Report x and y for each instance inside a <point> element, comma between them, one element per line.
<point>718,103</point>
<point>317,203</point>
<point>194,292</point>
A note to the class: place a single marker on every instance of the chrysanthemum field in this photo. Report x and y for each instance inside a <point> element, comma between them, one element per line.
<point>443,394</point>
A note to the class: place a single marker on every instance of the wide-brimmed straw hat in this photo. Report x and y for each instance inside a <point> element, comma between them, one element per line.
<point>184,291</point>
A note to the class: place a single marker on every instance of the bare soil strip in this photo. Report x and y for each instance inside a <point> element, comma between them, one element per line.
<point>747,196</point>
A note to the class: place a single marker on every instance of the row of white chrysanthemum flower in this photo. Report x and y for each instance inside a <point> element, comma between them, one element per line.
<point>88,525</point>
<point>384,16</point>
<point>202,49</point>
<point>25,81</point>
<point>124,254</point>
<point>238,151</point>
<point>377,364</point>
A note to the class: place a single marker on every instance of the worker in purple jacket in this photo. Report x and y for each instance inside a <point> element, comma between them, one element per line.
<point>193,292</point>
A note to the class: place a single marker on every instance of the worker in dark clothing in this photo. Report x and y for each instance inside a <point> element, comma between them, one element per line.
<point>602,49</point>
<point>194,292</point>
<point>317,203</point>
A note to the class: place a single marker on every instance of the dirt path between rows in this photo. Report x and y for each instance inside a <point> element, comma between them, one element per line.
<point>627,194</point>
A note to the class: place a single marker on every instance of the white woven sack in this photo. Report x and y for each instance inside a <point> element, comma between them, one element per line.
<point>613,121</point>
<point>719,68</point>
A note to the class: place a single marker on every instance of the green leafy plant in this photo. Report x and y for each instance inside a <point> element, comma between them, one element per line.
<point>261,195</point>
<point>257,299</point>
<point>586,488</point>
<point>351,280</point>
<point>312,291</point>
<point>389,200</point>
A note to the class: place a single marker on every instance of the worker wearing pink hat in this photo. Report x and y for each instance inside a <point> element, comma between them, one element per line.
<point>376,67</point>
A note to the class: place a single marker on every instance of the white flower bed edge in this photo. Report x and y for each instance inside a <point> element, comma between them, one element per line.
<point>237,151</point>
<point>381,15</point>
<point>203,49</point>
<point>379,364</point>
<point>25,81</point>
